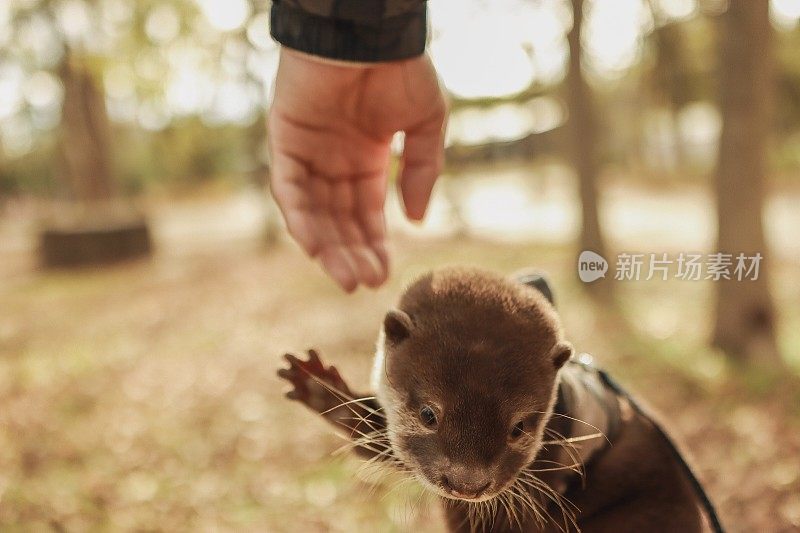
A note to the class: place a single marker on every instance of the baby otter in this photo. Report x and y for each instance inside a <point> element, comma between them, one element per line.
<point>480,397</point>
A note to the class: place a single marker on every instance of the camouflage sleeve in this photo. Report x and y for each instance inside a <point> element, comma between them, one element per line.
<point>352,30</point>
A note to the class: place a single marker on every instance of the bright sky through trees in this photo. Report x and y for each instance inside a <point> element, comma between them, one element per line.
<point>214,58</point>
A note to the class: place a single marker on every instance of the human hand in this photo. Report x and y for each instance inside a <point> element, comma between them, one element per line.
<point>330,127</point>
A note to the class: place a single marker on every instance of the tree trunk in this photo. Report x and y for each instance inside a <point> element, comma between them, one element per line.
<point>671,78</point>
<point>85,135</point>
<point>745,315</point>
<point>98,228</point>
<point>583,139</point>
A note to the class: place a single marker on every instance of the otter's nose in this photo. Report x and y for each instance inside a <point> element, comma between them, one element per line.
<point>464,488</point>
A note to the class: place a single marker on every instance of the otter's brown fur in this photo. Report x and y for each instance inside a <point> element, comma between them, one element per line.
<point>467,372</point>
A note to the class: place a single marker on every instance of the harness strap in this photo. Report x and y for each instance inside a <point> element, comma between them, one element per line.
<point>579,388</point>
<point>593,383</point>
<point>537,280</point>
<point>597,378</point>
<point>705,500</point>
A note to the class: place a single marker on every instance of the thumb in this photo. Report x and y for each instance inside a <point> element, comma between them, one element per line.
<point>423,159</point>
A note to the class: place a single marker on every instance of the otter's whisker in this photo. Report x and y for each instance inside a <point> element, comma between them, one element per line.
<point>512,499</point>
<point>573,467</point>
<point>576,439</point>
<point>566,506</point>
<point>531,481</point>
<point>354,430</point>
<point>529,502</point>
<point>377,458</point>
<point>354,400</point>
<point>568,447</point>
<point>368,436</point>
<point>503,500</point>
<point>372,427</point>
<point>339,393</point>
<point>396,485</point>
<point>578,420</point>
<point>343,396</point>
<point>365,442</point>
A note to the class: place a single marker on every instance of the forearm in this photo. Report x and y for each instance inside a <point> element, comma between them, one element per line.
<point>352,30</point>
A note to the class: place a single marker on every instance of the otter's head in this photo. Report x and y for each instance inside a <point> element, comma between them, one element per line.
<point>466,372</point>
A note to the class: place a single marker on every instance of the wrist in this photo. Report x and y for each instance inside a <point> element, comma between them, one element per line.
<point>312,58</point>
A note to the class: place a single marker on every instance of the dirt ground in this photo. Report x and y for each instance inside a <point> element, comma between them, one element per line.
<point>143,397</point>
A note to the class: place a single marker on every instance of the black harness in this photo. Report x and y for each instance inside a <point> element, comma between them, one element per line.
<point>602,386</point>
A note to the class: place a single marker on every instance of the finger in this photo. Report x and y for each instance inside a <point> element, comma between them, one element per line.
<point>337,378</point>
<point>303,227</point>
<point>290,188</point>
<point>375,233</point>
<point>370,199</point>
<point>285,373</point>
<point>371,269</point>
<point>292,359</point>
<point>340,259</point>
<point>379,249</point>
<point>373,225</point>
<point>423,159</point>
<point>368,267</point>
<point>292,395</point>
<point>314,363</point>
<point>340,266</point>
<point>343,202</point>
<point>382,253</point>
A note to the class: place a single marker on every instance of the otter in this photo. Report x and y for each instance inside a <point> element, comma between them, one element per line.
<point>480,397</point>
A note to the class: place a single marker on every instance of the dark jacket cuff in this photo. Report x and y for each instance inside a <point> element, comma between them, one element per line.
<point>389,39</point>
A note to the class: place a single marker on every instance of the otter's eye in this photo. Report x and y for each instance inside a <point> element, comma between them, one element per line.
<point>517,431</point>
<point>427,416</point>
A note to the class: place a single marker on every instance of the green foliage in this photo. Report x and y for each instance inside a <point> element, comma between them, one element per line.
<point>32,174</point>
<point>184,154</point>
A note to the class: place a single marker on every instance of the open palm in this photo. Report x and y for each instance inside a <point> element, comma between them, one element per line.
<point>331,125</point>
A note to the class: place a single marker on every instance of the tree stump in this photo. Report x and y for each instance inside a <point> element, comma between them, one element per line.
<point>86,244</point>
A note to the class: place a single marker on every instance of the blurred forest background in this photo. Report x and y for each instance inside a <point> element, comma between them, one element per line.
<point>147,289</point>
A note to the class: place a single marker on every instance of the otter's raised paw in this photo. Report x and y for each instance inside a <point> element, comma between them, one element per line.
<point>319,387</point>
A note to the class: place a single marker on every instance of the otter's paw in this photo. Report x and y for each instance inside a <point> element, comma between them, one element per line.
<point>319,387</point>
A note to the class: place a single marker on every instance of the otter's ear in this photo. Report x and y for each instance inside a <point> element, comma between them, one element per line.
<point>397,326</point>
<point>560,354</point>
